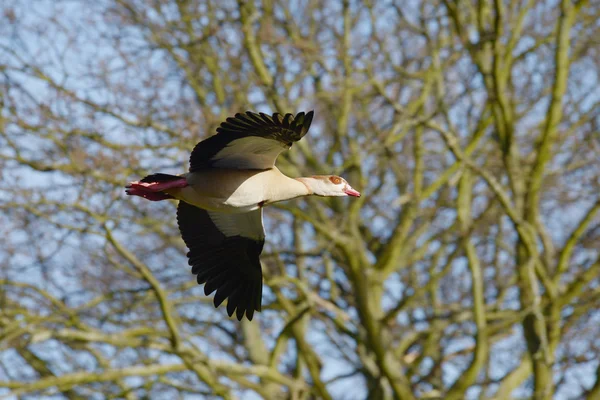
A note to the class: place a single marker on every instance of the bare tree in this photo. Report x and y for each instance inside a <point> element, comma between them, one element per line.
<point>469,268</point>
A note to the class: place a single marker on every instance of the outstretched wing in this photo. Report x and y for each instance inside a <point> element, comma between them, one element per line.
<point>224,254</point>
<point>250,141</point>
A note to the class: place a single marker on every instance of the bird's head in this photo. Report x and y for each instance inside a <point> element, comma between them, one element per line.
<point>329,186</point>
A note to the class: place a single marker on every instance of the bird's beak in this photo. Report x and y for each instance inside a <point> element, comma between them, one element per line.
<point>351,192</point>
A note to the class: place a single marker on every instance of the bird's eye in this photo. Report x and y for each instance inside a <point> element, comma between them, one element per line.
<point>336,180</point>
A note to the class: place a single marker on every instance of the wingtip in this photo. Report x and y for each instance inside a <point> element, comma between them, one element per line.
<point>305,114</point>
<point>230,310</point>
<point>307,120</point>
<point>240,313</point>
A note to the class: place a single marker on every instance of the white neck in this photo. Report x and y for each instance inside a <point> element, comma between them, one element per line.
<point>303,186</point>
<point>285,188</point>
<point>308,183</point>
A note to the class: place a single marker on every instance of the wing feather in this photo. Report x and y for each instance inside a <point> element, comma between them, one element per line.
<point>232,147</point>
<point>226,262</point>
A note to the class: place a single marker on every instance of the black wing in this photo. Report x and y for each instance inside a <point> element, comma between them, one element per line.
<point>224,254</point>
<point>250,141</point>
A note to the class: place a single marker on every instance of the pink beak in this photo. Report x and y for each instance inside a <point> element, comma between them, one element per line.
<point>351,192</point>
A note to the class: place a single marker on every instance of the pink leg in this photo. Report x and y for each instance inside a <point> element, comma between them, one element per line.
<point>153,191</point>
<point>152,196</point>
<point>158,186</point>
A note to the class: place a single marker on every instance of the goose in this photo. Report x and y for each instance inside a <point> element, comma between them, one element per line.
<point>232,177</point>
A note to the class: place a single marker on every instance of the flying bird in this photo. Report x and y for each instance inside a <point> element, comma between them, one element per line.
<point>232,176</point>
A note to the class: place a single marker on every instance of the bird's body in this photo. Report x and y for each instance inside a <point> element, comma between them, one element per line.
<point>237,191</point>
<point>232,177</point>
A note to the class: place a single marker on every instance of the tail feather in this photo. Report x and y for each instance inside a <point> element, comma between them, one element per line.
<point>159,178</point>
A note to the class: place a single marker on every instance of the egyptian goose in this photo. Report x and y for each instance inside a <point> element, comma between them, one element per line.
<point>232,177</point>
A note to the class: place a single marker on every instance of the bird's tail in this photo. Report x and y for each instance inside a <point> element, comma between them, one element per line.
<point>153,187</point>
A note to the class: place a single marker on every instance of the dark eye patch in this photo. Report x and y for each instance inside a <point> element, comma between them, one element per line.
<point>336,180</point>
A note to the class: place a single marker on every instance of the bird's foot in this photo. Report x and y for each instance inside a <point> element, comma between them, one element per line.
<point>148,195</point>
<point>158,186</point>
<point>154,190</point>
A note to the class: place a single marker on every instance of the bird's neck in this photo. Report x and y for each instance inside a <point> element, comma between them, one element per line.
<point>281,187</point>
<point>308,184</point>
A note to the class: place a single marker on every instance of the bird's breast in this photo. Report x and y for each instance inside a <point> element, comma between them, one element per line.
<point>234,191</point>
<point>224,190</point>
